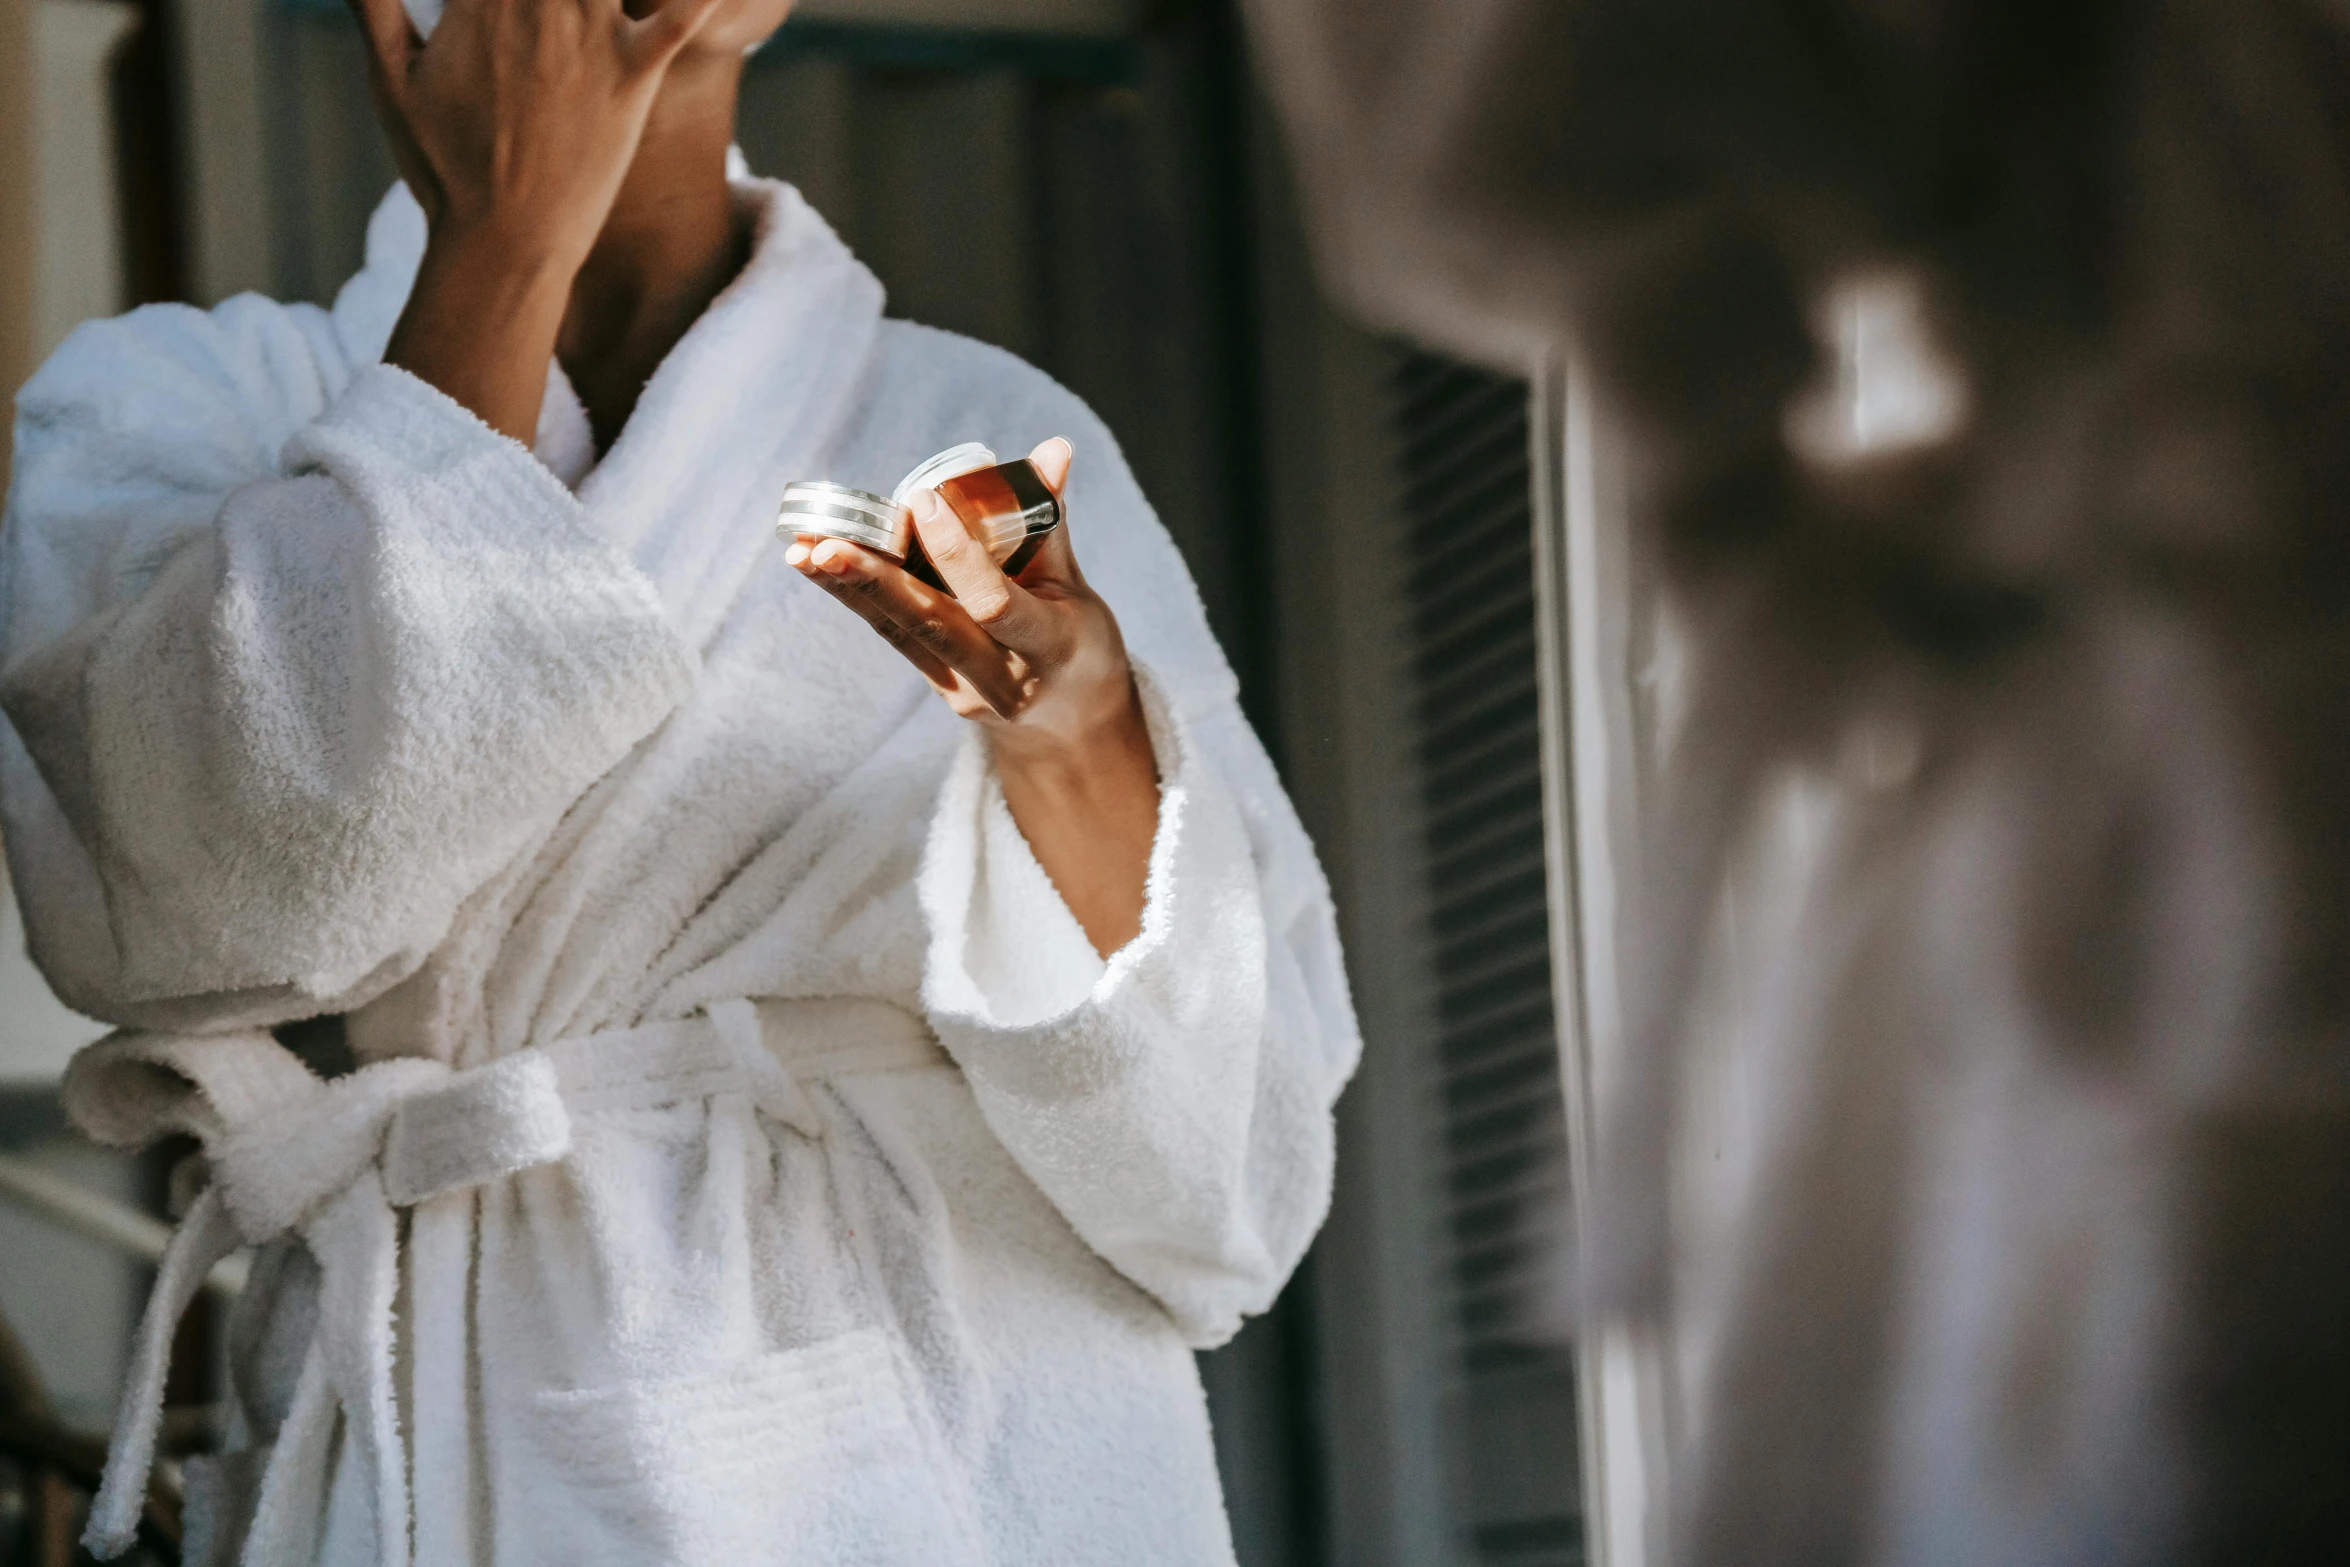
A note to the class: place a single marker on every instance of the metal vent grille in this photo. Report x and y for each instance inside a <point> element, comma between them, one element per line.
<point>1467,490</point>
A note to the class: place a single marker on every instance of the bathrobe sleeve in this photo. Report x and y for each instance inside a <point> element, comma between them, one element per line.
<point>1175,1102</point>
<point>296,658</point>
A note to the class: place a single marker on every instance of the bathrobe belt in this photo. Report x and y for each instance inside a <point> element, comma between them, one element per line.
<point>331,1161</point>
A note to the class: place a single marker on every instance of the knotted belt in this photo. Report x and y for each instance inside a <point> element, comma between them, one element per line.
<point>290,1153</point>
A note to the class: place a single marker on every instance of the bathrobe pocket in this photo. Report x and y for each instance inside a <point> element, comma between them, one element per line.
<point>808,1455</point>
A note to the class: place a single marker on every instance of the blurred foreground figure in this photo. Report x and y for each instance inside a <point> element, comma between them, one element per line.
<point>2045,1256</point>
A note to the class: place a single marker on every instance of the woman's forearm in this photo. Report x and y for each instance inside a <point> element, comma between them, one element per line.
<point>515,127</point>
<point>1090,813</point>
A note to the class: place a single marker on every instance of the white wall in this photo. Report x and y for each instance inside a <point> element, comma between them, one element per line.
<point>78,249</point>
<point>76,271</point>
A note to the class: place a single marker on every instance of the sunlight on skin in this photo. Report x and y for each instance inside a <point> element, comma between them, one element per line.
<point>1039,663</point>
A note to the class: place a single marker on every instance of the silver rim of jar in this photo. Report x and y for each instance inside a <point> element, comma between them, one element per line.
<point>813,508</point>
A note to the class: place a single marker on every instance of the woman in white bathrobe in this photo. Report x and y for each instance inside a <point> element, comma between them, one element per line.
<point>752,1155</point>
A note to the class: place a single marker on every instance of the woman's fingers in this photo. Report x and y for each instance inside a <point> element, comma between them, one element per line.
<point>933,630</point>
<point>653,42</point>
<point>391,47</point>
<point>1054,561</point>
<point>392,43</point>
<point>990,598</point>
<point>869,609</point>
<point>1052,459</point>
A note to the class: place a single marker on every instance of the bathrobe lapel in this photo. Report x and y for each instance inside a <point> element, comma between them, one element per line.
<point>689,488</point>
<point>726,420</point>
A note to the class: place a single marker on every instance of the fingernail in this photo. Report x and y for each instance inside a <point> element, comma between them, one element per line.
<point>796,554</point>
<point>926,503</point>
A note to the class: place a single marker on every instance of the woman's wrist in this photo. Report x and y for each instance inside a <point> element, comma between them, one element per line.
<point>1088,804</point>
<point>481,323</point>
<point>1110,747</point>
<point>497,252</point>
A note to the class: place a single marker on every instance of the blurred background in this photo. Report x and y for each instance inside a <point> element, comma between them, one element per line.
<point>1094,185</point>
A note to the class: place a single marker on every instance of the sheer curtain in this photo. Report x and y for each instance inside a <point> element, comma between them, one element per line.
<point>1951,673</point>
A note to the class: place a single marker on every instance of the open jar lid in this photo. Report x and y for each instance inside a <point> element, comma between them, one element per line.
<point>952,463</point>
<point>818,507</point>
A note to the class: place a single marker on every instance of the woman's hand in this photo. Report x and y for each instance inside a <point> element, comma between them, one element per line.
<point>514,125</point>
<point>1039,661</point>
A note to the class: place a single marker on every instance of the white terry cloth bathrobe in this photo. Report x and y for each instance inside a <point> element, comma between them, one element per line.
<point>750,1161</point>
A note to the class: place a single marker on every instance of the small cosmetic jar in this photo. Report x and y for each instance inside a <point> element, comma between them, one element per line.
<point>1006,507</point>
<point>813,509</point>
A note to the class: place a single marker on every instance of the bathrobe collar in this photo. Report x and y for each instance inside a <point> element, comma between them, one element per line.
<point>747,401</point>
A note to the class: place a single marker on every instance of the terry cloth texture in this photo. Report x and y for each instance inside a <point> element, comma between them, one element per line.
<point>627,1243</point>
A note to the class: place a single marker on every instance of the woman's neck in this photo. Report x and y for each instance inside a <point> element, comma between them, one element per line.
<point>674,239</point>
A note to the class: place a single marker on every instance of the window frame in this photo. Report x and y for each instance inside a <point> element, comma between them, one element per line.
<point>1594,614</point>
